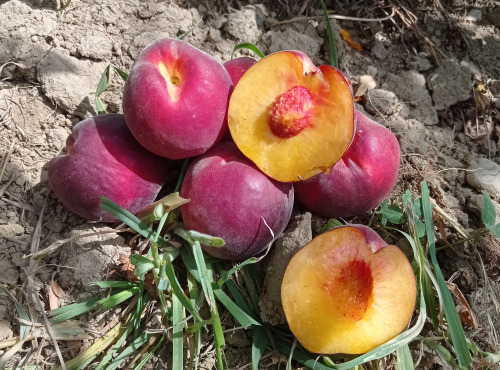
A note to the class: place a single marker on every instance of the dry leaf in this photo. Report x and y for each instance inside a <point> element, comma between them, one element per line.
<point>365,83</point>
<point>346,36</point>
<point>465,313</point>
<point>55,292</point>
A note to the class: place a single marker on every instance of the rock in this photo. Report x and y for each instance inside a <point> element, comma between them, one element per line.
<point>411,134</point>
<point>494,17</point>
<point>298,234</point>
<point>378,101</point>
<point>474,15</point>
<point>9,274</point>
<point>494,86</point>
<point>18,26</point>
<point>11,230</point>
<point>410,88</point>
<point>379,50</point>
<point>419,63</point>
<point>89,257</point>
<point>70,82</point>
<point>450,84</point>
<point>292,40</point>
<point>245,25</point>
<point>476,204</point>
<point>485,175</point>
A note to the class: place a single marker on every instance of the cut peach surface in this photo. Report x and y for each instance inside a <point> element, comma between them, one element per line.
<point>346,293</point>
<point>292,119</point>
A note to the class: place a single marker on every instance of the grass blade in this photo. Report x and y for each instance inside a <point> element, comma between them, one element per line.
<point>334,59</point>
<point>489,214</point>
<point>24,328</point>
<point>238,314</point>
<point>130,220</point>
<point>249,46</point>
<point>259,345</point>
<point>131,348</point>
<point>442,352</point>
<point>117,298</point>
<point>149,355</point>
<point>454,325</point>
<point>68,312</point>
<point>405,361</point>
<point>104,84</point>
<point>179,293</point>
<point>115,284</point>
<point>177,333</point>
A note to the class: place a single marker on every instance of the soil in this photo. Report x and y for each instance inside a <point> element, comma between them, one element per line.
<point>436,72</point>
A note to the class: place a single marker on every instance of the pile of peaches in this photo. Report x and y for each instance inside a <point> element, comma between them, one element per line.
<point>259,133</point>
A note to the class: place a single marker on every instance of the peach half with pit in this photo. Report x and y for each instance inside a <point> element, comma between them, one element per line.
<point>232,199</point>
<point>292,119</point>
<point>103,158</point>
<point>175,99</point>
<point>347,291</point>
<point>360,180</point>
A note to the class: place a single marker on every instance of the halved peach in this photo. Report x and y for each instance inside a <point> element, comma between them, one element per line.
<point>292,119</point>
<point>347,291</point>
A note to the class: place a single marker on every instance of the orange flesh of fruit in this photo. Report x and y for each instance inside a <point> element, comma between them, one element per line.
<point>327,129</point>
<point>340,297</point>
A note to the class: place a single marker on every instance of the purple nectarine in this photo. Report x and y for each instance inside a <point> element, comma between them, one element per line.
<point>347,291</point>
<point>103,158</point>
<point>237,67</point>
<point>175,99</point>
<point>361,179</point>
<point>294,120</point>
<point>231,198</point>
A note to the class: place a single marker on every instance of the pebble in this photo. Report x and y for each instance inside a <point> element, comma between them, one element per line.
<point>380,101</point>
<point>485,175</point>
<point>474,15</point>
<point>450,84</point>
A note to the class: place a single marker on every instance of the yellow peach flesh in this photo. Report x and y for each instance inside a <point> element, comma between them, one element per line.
<point>340,297</point>
<point>318,146</point>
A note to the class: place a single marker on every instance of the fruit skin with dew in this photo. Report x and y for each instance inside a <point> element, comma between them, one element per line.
<point>361,179</point>
<point>103,158</point>
<point>237,67</point>
<point>175,99</point>
<point>291,118</point>
<point>347,291</point>
<point>232,199</point>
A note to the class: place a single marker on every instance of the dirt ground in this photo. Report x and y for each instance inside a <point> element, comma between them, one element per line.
<point>435,66</point>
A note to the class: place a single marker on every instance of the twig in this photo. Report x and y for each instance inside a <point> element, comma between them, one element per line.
<point>7,158</point>
<point>334,16</point>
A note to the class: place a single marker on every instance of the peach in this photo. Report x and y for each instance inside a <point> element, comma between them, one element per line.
<point>347,291</point>
<point>232,199</point>
<point>175,99</point>
<point>237,67</point>
<point>361,180</point>
<point>294,120</point>
<point>103,158</point>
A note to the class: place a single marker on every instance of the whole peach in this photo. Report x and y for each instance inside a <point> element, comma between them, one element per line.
<point>103,158</point>
<point>175,99</point>
<point>360,180</point>
<point>237,67</point>
<point>231,198</point>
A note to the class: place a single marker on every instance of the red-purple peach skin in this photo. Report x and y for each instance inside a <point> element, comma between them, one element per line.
<point>175,99</point>
<point>237,67</point>
<point>361,180</point>
<point>232,199</point>
<point>103,158</point>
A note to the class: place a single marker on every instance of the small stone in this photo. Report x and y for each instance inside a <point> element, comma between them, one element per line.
<point>485,175</point>
<point>450,84</point>
<point>379,50</point>
<point>214,35</point>
<point>474,15</point>
<point>380,101</point>
<point>494,17</point>
<point>244,25</point>
<point>9,274</point>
